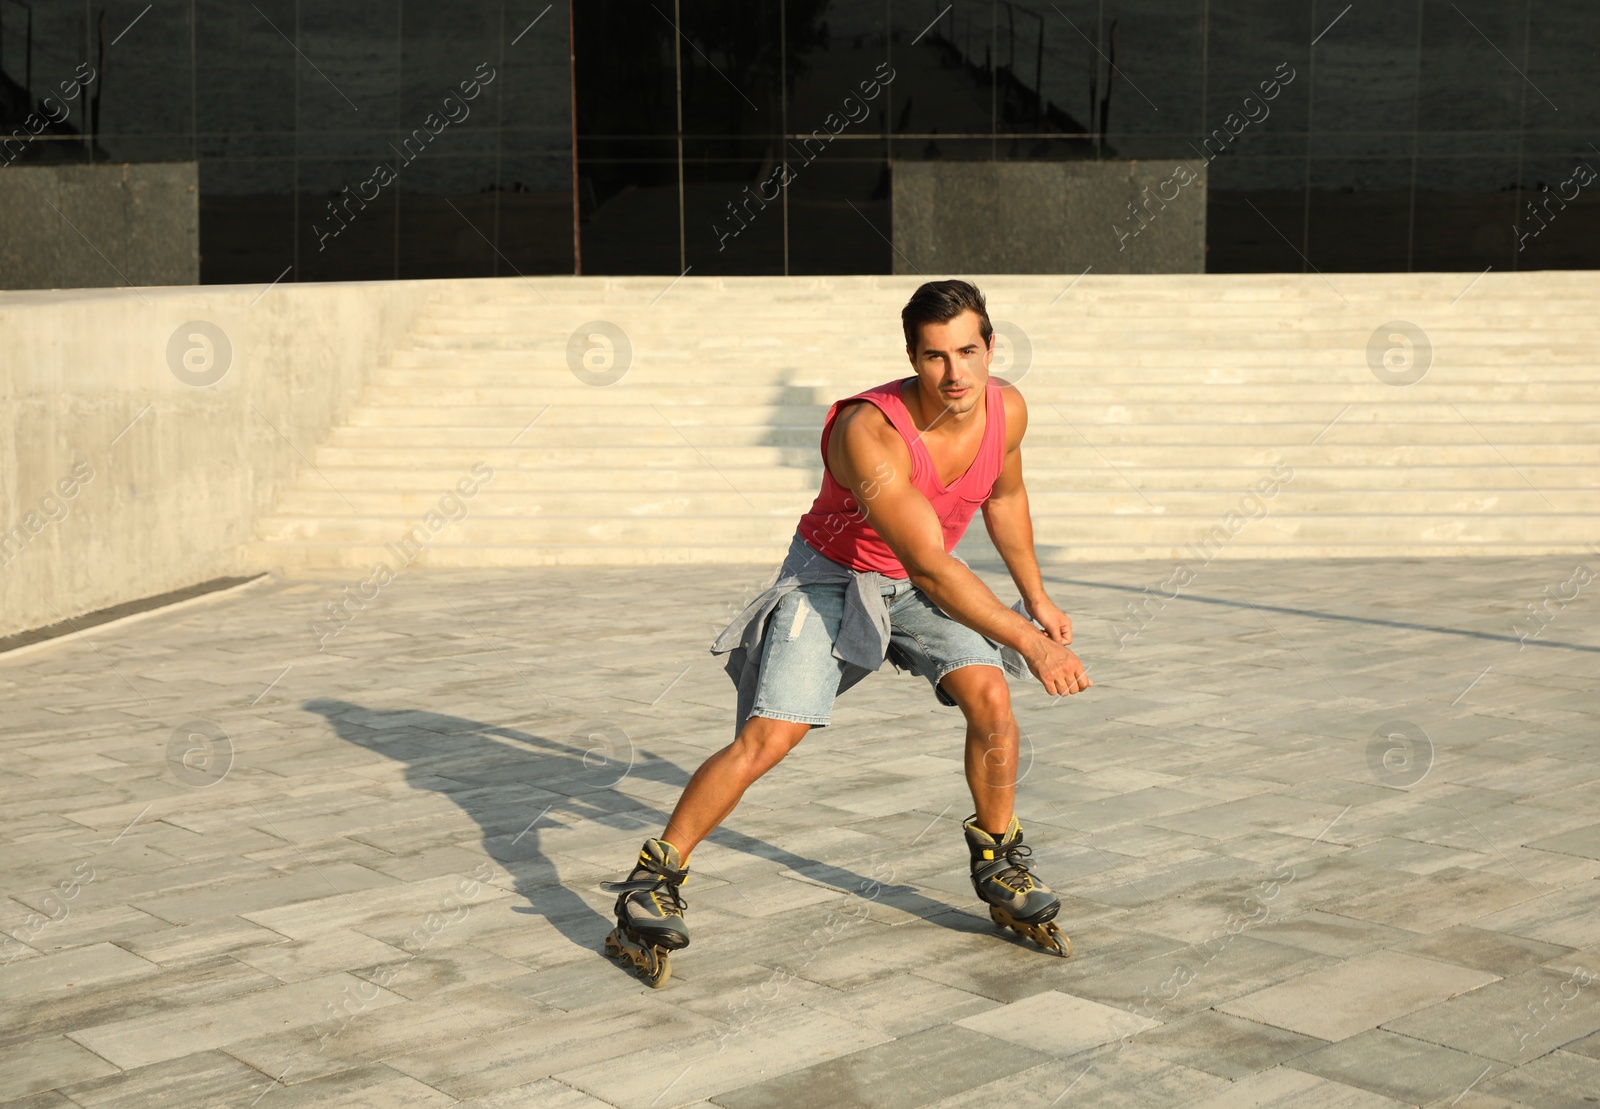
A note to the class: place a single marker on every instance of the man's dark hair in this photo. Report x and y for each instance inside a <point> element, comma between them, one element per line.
<point>941,302</point>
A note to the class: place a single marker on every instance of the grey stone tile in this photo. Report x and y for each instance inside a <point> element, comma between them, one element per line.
<point>186,943</point>
<point>1363,992</point>
<point>1201,975</point>
<point>1127,808</point>
<point>202,1078</point>
<point>875,951</point>
<point>1495,952</point>
<point>1580,841</point>
<point>1223,1045</point>
<point>1058,1023</point>
<point>1286,1088</point>
<point>1513,1020</point>
<point>1271,811</point>
<point>38,978</point>
<point>49,1062</point>
<point>546,1093</point>
<point>309,883</point>
<point>1560,1080</point>
<point>903,1004</point>
<point>1329,933</point>
<point>47,1099</point>
<point>297,960</point>
<point>341,1041</point>
<point>1116,1075</point>
<point>1172,879</point>
<point>904,1073</point>
<point>1408,855</point>
<point>1438,900</point>
<point>152,1039</point>
<point>1569,917</point>
<point>372,1085</point>
<point>441,968</point>
<point>1405,1069</point>
<point>1589,1046</point>
<point>82,1005</point>
<point>688,1064</point>
<point>1007,968</point>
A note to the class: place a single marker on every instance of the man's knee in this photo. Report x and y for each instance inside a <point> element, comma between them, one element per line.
<point>982,693</point>
<point>764,742</point>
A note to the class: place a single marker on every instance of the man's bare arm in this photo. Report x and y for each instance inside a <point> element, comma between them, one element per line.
<point>869,457</point>
<point>1006,513</point>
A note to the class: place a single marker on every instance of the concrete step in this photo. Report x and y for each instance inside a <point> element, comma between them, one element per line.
<point>1449,430</point>
<point>1106,364</point>
<point>752,527</point>
<point>670,342</point>
<point>355,561</point>
<point>1135,322</point>
<point>1045,382</point>
<point>487,405</point>
<point>1085,408</point>
<point>309,505</point>
<point>805,476</point>
<point>1125,455</point>
<point>1155,402</point>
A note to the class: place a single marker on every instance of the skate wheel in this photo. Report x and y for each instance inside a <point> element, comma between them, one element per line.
<point>1045,935</point>
<point>660,969</point>
<point>1054,939</point>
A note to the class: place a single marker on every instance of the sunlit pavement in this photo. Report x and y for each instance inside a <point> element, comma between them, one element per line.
<point>1326,834</point>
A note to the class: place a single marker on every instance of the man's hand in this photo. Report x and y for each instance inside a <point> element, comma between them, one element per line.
<point>1061,672</point>
<point>1058,669</point>
<point>1057,624</point>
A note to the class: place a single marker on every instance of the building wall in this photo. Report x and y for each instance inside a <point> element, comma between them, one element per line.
<point>84,227</point>
<point>1420,135</point>
<point>1049,217</point>
<point>123,472</point>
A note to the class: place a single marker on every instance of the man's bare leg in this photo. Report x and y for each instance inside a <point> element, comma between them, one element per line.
<point>715,789</point>
<point>1000,873</point>
<point>993,741</point>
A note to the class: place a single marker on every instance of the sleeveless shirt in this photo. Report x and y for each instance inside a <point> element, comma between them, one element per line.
<point>838,523</point>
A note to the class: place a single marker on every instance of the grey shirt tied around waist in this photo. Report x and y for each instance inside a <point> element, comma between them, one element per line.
<point>863,639</point>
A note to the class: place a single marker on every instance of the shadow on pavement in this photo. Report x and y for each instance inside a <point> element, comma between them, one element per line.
<point>503,777</point>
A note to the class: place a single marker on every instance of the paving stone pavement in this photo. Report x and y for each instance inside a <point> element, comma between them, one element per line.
<point>1327,834</point>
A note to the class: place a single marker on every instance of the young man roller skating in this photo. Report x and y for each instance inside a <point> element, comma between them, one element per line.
<point>870,575</point>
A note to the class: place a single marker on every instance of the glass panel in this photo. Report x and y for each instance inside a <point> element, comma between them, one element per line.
<point>246,220</point>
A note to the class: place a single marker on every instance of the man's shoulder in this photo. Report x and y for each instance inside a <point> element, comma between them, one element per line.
<point>861,421</point>
<point>864,439</point>
<point>1016,410</point>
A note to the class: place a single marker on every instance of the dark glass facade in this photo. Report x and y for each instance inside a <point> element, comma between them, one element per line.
<point>365,139</point>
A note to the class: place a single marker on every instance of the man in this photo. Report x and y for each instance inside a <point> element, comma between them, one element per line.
<point>870,575</point>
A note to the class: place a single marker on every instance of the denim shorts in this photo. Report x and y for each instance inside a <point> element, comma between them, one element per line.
<point>800,676</point>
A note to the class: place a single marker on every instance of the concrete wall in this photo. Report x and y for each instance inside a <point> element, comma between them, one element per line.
<point>126,474</point>
<point>100,226</point>
<point>1049,217</point>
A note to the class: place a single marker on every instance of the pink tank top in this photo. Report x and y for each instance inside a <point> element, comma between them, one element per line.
<point>837,523</point>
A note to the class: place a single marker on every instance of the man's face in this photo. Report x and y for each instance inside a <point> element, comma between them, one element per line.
<point>952,362</point>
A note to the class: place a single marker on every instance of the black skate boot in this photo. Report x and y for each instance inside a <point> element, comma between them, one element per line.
<point>649,910</point>
<point>1016,899</point>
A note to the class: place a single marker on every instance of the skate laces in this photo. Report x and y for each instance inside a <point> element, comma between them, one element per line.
<point>1016,875</point>
<point>655,879</point>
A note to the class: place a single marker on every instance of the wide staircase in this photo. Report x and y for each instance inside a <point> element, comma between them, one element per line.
<point>1157,405</point>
